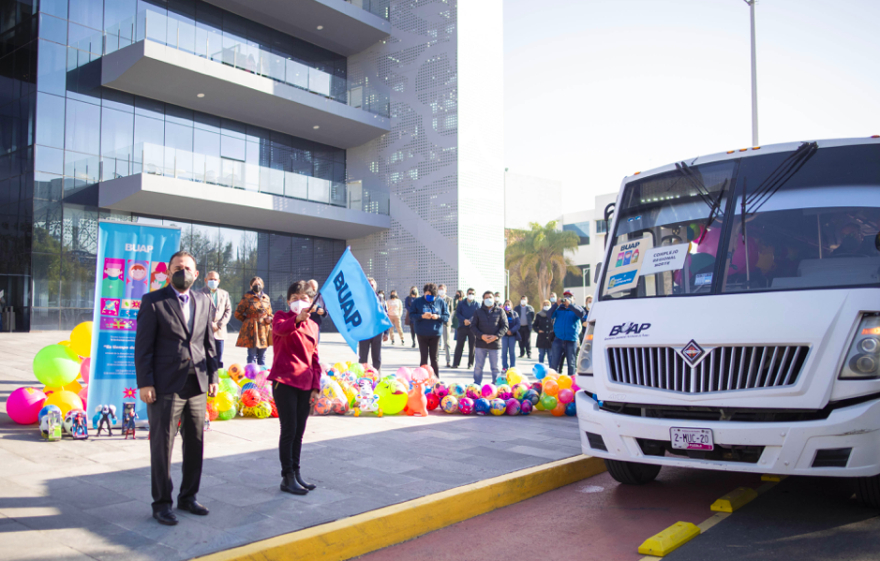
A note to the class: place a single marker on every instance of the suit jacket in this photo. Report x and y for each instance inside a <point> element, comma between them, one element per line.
<point>165,350</point>
<point>528,311</point>
<point>222,311</point>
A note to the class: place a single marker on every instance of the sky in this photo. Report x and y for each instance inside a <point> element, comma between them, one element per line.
<point>598,89</point>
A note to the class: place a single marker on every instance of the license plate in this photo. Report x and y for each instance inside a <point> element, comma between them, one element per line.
<point>691,439</point>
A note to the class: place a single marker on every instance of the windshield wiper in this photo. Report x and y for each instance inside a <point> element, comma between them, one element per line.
<point>780,176</point>
<point>714,203</point>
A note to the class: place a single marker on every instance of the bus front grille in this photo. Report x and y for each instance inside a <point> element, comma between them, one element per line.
<point>725,368</point>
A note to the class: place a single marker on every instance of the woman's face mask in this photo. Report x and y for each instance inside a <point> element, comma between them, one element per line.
<point>257,287</point>
<point>546,308</point>
<point>297,306</point>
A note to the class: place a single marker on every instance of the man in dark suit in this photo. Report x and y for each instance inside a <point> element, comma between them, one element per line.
<point>175,360</point>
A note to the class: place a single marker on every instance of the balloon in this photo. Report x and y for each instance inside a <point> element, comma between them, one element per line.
<point>564,382</point>
<point>551,376</point>
<point>81,339</point>
<point>429,369</point>
<point>571,409</point>
<point>226,414</point>
<point>559,410</point>
<point>433,401</point>
<point>465,405</point>
<point>532,397</point>
<point>64,343</point>
<point>551,387</point>
<point>250,371</point>
<point>84,396</point>
<point>236,373</point>
<point>449,404</point>
<point>221,373</point>
<point>213,412</point>
<point>392,395</point>
<point>405,373</point>
<point>513,407</point>
<point>224,401</point>
<point>548,402</point>
<point>74,387</point>
<point>526,407</point>
<point>489,391</point>
<point>539,371</point>
<point>84,369</point>
<point>65,401</point>
<point>357,369</point>
<point>565,396</point>
<point>56,366</point>
<point>24,404</point>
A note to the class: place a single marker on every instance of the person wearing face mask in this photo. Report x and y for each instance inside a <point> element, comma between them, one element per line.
<point>588,303</point>
<point>543,326</point>
<point>444,329</point>
<point>317,311</point>
<point>407,304</point>
<point>176,366</point>
<point>526,315</point>
<point>429,313</point>
<point>508,341</point>
<point>222,311</point>
<point>464,312</point>
<point>296,380</point>
<point>567,318</point>
<point>489,325</point>
<point>372,346</point>
<point>395,309</point>
<point>254,311</point>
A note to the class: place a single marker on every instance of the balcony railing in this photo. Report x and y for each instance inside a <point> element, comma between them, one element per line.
<point>212,44</point>
<point>381,8</point>
<point>214,170</point>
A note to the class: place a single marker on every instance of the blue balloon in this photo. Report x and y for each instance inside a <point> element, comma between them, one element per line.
<point>571,409</point>
<point>539,371</point>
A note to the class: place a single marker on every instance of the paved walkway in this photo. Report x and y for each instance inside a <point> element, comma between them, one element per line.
<point>81,500</point>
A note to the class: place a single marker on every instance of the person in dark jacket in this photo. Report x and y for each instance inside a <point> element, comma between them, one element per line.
<point>566,326</point>
<point>526,315</point>
<point>543,326</point>
<point>508,341</point>
<point>429,313</point>
<point>407,304</point>
<point>296,379</point>
<point>464,312</point>
<point>489,324</point>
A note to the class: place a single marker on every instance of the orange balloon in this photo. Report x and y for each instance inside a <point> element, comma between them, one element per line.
<point>551,387</point>
<point>559,410</point>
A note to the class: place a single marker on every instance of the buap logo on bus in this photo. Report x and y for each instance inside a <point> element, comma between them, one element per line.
<point>629,329</point>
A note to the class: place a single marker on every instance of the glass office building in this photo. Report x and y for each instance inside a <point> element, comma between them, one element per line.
<point>264,129</point>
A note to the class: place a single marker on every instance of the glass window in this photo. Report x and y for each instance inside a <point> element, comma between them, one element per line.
<point>52,67</point>
<point>88,12</point>
<point>47,279</point>
<point>71,317</point>
<point>117,133</point>
<point>118,11</point>
<point>55,7</point>
<point>232,148</point>
<point>83,130</point>
<point>45,318</point>
<point>49,159</point>
<point>78,281</point>
<point>84,39</point>
<point>54,29</point>
<point>80,230</point>
<point>47,226</point>
<point>50,120</point>
<point>115,99</point>
<point>582,229</point>
<point>601,226</point>
<point>82,169</point>
<point>47,186</point>
<point>149,108</point>
<point>206,122</point>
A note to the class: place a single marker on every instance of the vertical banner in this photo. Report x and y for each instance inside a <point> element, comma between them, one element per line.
<point>352,303</point>
<point>132,260</point>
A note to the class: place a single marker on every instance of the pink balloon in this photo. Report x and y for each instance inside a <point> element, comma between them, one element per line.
<point>565,396</point>
<point>24,404</point>
<point>84,369</point>
<point>404,373</point>
<point>83,395</point>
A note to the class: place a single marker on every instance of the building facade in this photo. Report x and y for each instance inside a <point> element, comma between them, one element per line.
<point>273,133</point>
<point>590,226</point>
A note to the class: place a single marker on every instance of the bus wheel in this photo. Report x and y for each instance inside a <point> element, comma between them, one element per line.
<point>630,473</point>
<point>868,491</point>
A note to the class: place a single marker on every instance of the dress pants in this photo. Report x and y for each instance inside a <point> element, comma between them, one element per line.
<point>525,342</point>
<point>371,346</point>
<point>428,352</point>
<point>187,406</point>
<point>444,340</point>
<point>464,334</point>
<point>218,344</point>
<point>293,413</point>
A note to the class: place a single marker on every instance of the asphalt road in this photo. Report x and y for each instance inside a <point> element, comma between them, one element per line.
<point>799,518</point>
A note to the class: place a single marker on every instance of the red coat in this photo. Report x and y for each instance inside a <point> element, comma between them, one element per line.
<point>295,346</point>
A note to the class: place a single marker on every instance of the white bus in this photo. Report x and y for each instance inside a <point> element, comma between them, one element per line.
<point>737,326</point>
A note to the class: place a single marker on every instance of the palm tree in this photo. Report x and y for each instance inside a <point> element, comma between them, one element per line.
<point>539,253</point>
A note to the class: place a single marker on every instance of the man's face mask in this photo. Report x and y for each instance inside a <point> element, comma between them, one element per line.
<point>182,279</point>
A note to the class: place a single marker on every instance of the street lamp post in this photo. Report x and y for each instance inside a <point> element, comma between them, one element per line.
<point>507,284</point>
<point>751,4</point>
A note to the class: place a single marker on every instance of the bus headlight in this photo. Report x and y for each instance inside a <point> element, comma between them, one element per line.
<point>585,357</point>
<point>863,358</point>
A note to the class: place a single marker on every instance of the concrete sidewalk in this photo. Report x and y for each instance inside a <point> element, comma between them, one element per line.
<point>91,499</point>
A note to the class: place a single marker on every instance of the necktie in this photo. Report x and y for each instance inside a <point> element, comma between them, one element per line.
<point>184,299</point>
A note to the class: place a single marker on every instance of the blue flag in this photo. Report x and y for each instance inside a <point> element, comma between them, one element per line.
<point>352,303</point>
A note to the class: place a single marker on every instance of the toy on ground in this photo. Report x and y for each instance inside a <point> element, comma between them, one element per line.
<point>489,391</point>
<point>473,391</point>
<point>24,404</point>
<point>571,409</point>
<point>481,406</point>
<point>433,401</point>
<point>392,395</point>
<point>457,391</point>
<point>497,407</point>
<point>78,427</point>
<point>417,402</point>
<point>465,406</point>
<point>513,407</point>
<point>236,372</point>
<point>251,370</point>
<point>51,423</point>
<point>504,392</point>
<point>449,404</point>
<point>106,413</point>
<point>440,390</point>
<point>526,407</point>
<point>366,401</point>
<point>129,416</point>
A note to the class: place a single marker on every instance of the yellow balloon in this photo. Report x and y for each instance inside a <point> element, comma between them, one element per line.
<point>340,367</point>
<point>81,339</point>
<point>514,378</point>
<point>74,387</point>
<point>52,389</point>
<point>551,376</point>
<point>224,401</point>
<point>64,343</point>
<point>564,382</point>
<point>65,401</point>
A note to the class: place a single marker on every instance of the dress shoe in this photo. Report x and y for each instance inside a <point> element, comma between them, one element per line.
<point>289,484</point>
<point>454,366</point>
<point>193,507</point>
<point>166,518</point>
<point>302,483</point>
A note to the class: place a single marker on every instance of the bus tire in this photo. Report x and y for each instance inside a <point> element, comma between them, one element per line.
<point>631,473</point>
<point>868,491</point>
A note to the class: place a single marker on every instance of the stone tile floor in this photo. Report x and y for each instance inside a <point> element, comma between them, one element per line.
<point>91,499</point>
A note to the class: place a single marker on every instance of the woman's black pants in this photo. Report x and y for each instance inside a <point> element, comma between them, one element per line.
<point>293,412</point>
<point>428,350</point>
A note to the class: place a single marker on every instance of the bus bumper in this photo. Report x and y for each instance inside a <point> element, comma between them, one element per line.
<point>789,448</point>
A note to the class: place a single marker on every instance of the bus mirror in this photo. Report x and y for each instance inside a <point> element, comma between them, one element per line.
<point>596,275</point>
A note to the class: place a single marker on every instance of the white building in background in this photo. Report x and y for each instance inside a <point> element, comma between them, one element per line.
<point>441,163</point>
<point>589,225</point>
<point>530,199</point>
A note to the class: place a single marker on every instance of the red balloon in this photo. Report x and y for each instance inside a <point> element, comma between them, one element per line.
<point>433,401</point>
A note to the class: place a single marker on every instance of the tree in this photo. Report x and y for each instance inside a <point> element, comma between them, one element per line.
<point>538,255</point>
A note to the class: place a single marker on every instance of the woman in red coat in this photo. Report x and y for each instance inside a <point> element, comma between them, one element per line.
<point>296,379</point>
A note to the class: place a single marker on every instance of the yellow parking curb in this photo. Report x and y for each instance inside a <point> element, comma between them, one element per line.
<point>734,500</point>
<point>669,539</point>
<point>772,478</point>
<point>370,531</point>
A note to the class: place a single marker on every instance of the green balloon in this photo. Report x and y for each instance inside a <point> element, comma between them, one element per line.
<point>227,415</point>
<point>56,365</point>
<point>227,385</point>
<point>548,401</point>
<point>357,370</point>
<point>221,372</point>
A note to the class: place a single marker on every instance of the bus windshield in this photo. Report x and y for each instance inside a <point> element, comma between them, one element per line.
<point>796,220</point>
